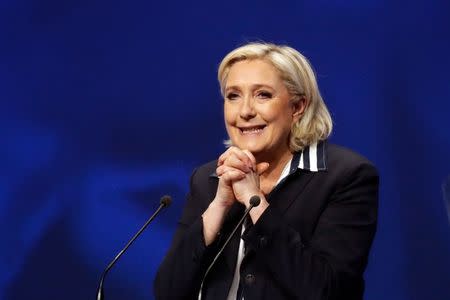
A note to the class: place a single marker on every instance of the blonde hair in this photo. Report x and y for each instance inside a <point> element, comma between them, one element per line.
<point>298,76</point>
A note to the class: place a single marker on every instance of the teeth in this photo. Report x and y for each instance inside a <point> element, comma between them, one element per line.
<point>252,130</point>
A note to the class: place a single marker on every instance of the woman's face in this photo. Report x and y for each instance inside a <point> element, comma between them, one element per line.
<point>258,109</point>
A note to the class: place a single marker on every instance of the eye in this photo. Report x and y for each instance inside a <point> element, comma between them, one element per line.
<point>231,96</point>
<point>264,95</point>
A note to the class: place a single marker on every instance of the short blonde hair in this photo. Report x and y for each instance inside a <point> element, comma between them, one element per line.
<point>298,76</point>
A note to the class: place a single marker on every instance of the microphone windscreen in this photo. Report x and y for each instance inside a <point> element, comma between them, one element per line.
<point>165,200</point>
<point>255,200</point>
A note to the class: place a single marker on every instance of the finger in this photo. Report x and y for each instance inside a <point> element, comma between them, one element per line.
<point>229,152</point>
<point>252,158</point>
<point>262,167</point>
<point>220,170</point>
<point>225,155</point>
<point>241,155</point>
<point>234,162</point>
<point>232,175</point>
<point>235,152</point>
<point>225,168</point>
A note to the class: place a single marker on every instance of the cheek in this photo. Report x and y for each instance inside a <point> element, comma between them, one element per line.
<point>275,114</point>
<point>283,122</point>
<point>229,115</point>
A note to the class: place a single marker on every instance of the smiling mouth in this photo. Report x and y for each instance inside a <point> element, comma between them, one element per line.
<point>252,130</point>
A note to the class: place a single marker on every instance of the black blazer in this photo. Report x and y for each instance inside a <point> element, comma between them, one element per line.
<point>312,242</point>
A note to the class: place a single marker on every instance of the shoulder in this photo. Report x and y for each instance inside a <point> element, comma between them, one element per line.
<point>202,189</point>
<point>204,180</point>
<point>205,171</point>
<point>342,160</point>
<point>337,154</point>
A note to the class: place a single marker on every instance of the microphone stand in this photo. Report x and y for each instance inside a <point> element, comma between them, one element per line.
<point>165,201</point>
<point>254,201</point>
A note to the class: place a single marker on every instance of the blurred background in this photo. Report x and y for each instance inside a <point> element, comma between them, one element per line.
<point>108,105</point>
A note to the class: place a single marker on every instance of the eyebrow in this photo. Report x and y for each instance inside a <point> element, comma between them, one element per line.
<point>255,86</point>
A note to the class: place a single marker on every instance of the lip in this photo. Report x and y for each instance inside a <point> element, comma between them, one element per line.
<point>254,129</point>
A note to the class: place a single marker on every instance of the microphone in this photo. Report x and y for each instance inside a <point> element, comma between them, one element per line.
<point>164,202</point>
<point>254,201</point>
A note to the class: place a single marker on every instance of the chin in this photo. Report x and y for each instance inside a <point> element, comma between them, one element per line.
<point>252,147</point>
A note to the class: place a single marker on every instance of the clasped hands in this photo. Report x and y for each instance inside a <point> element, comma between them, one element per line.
<point>238,181</point>
<point>238,176</point>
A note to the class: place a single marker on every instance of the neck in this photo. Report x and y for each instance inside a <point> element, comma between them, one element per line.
<point>276,165</point>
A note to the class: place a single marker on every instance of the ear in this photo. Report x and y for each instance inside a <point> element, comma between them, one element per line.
<point>298,108</point>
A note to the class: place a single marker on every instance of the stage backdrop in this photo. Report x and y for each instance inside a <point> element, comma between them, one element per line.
<point>108,105</point>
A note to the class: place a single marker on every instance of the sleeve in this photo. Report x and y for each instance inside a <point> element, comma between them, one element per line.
<point>331,264</point>
<point>182,269</point>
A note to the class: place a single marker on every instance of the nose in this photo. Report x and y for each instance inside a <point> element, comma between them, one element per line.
<point>247,109</point>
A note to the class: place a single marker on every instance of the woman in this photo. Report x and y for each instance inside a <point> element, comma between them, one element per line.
<point>310,236</point>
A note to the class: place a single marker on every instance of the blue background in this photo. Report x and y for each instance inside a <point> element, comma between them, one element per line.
<point>108,105</point>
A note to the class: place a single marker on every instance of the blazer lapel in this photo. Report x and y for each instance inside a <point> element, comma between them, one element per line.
<point>290,190</point>
<point>284,194</point>
<point>280,198</point>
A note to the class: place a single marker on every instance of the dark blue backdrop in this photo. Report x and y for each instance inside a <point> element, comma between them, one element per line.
<point>106,106</point>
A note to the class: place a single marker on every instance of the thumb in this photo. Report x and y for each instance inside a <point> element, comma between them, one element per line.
<point>261,167</point>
